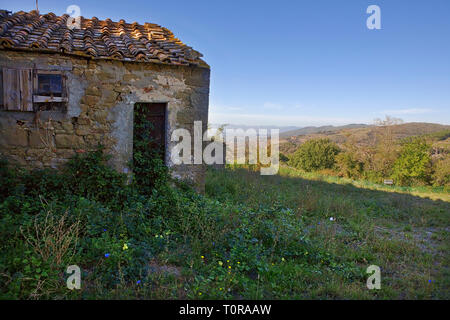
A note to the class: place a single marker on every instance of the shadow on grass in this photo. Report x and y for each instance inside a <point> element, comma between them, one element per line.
<point>248,187</point>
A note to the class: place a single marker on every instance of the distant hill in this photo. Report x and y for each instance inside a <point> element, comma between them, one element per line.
<point>322,129</point>
<point>363,136</point>
<point>245,127</point>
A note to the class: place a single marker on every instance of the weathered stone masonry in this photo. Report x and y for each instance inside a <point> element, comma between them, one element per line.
<point>101,97</point>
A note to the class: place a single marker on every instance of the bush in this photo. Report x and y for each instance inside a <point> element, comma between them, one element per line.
<point>413,166</point>
<point>283,157</point>
<point>8,180</point>
<point>88,175</point>
<point>315,154</point>
<point>349,166</point>
<point>44,212</point>
<point>441,175</point>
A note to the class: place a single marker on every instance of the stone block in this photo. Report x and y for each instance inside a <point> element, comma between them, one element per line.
<point>93,91</point>
<point>100,116</point>
<point>41,138</point>
<point>68,141</point>
<point>90,100</point>
<point>15,137</point>
<point>67,126</point>
<point>198,77</point>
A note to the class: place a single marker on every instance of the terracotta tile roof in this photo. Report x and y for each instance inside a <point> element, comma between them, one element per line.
<point>98,39</point>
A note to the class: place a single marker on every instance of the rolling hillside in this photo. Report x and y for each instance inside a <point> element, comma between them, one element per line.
<point>363,136</point>
<point>321,129</point>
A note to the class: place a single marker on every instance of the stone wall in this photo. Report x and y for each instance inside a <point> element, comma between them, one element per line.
<point>101,97</point>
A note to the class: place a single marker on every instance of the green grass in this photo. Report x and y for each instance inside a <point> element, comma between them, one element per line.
<point>405,234</point>
<point>248,237</point>
<point>434,193</point>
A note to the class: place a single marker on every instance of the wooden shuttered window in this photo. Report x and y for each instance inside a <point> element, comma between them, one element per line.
<point>11,91</point>
<point>26,89</point>
<point>17,89</point>
<point>49,86</point>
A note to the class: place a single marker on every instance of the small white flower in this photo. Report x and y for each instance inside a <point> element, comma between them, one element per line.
<point>331,219</point>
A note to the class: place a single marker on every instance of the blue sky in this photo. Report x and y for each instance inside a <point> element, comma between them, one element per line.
<point>310,62</point>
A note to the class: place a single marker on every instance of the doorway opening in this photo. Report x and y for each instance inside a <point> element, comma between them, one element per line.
<point>149,129</point>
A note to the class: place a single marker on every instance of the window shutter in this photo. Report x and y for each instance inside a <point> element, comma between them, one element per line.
<point>26,89</point>
<point>17,89</point>
<point>11,89</point>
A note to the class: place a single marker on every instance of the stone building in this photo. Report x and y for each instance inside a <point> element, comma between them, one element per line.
<point>65,90</point>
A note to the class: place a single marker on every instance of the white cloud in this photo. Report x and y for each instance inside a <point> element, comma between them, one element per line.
<point>407,111</point>
<point>222,108</point>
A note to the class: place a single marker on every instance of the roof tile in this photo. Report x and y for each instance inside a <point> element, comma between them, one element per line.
<point>98,39</point>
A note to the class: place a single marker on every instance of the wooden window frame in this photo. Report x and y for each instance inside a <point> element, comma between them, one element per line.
<point>38,98</point>
<point>25,86</point>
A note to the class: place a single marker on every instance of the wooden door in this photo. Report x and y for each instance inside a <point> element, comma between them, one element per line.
<point>150,125</point>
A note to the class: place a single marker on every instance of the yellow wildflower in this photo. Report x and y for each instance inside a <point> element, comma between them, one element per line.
<point>125,246</point>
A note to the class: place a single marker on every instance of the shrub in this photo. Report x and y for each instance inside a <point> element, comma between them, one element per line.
<point>149,171</point>
<point>88,175</point>
<point>52,238</point>
<point>315,154</point>
<point>283,157</point>
<point>414,163</point>
<point>349,166</point>
<point>441,175</point>
<point>8,178</point>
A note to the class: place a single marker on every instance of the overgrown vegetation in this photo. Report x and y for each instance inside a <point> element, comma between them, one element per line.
<point>315,154</point>
<point>249,237</point>
<point>413,166</point>
<point>294,235</point>
<point>355,223</point>
<point>148,163</point>
<point>412,161</point>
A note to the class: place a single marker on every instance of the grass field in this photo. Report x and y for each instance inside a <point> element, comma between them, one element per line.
<point>398,229</point>
<point>288,236</point>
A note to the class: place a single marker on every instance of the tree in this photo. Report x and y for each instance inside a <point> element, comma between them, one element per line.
<point>384,154</point>
<point>441,175</point>
<point>349,166</point>
<point>315,154</point>
<point>414,163</point>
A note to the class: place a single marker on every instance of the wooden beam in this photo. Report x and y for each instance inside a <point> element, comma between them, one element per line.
<point>37,98</point>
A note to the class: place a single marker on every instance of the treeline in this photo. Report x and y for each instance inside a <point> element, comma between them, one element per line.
<point>413,161</point>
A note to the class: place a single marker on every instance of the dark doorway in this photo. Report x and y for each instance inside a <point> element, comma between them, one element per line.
<point>150,128</point>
